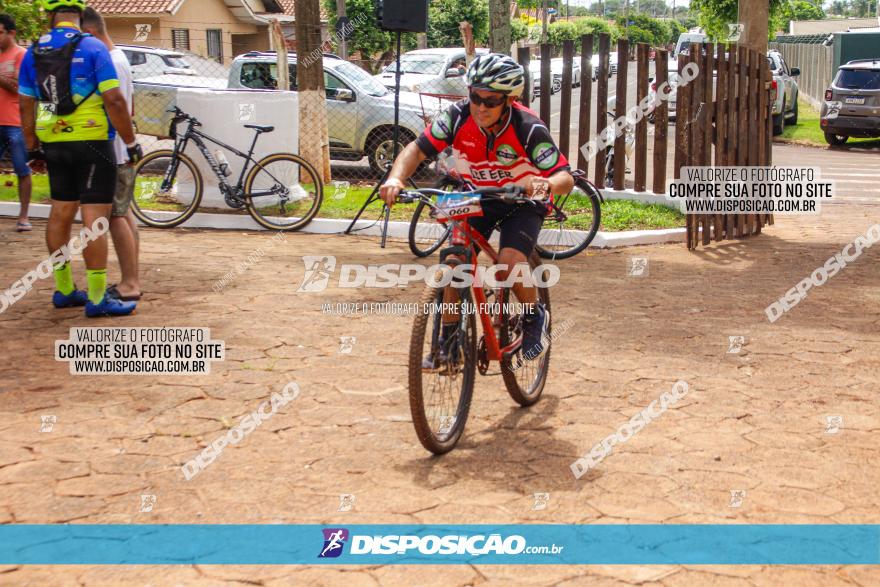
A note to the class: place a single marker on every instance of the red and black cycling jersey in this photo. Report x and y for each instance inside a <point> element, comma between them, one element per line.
<point>522,148</point>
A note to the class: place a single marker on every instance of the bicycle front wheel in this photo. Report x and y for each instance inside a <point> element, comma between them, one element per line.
<point>426,235</point>
<point>442,369</point>
<point>524,376</point>
<point>167,189</point>
<point>283,192</point>
<point>572,225</point>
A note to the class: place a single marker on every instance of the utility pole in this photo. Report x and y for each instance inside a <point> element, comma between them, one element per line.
<point>343,43</point>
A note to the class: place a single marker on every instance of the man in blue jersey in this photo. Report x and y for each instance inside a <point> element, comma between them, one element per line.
<point>71,110</point>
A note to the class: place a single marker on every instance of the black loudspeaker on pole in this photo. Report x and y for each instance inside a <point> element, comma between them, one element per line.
<point>397,16</point>
<point>406,16</point>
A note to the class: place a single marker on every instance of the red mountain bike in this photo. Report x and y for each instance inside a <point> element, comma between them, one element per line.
<point>440,396</point>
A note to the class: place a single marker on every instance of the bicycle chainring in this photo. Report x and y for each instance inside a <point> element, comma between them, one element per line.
<point>232,200</point>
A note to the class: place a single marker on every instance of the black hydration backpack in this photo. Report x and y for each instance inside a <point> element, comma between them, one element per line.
<point>53,75</point>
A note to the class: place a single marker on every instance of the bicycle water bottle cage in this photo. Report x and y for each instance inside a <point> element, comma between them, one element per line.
<point>53,75</point>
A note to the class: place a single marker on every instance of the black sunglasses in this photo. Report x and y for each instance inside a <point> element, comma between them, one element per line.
<point>487,102</point>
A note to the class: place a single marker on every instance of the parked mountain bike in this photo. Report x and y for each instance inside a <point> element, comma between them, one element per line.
<point>281,191</point>
<point>629,146</point>
<point>440,396</point>
<point>569,227</point>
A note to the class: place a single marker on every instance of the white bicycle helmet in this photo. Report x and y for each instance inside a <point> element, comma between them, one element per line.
<point>496,72</point>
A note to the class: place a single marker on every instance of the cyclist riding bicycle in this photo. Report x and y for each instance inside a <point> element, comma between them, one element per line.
<point>496,141</point>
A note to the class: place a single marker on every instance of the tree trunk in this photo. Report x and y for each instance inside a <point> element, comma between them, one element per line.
<point>283,80</point>
<point>467,37</point>
<point>755,15</point>
<point>314,144</point>
<point>544,18</point>
<point>499,26</point>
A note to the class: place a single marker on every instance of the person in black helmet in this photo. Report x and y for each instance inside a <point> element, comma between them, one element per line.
<point>496,141</point>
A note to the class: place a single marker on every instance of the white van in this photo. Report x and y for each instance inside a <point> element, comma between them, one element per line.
<point>686,39</point>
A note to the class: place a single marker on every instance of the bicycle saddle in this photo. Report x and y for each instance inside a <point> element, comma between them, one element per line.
<point>260,127</point>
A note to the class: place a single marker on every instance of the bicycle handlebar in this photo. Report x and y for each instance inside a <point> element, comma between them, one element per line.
<point>511,194</point>
<point>181,115</point>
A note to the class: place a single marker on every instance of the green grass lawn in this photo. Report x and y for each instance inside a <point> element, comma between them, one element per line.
<point>808,132</point>
<point>617,215</point>
<point>620,215</point>
<point>9,188</point>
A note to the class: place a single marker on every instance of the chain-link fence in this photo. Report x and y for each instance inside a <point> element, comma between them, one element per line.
<point>360,110</point>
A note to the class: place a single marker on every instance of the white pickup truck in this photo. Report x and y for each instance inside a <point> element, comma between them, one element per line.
<point>360,110</point>
<point>784,90</point>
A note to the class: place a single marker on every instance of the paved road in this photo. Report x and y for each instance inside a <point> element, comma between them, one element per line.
<point>856,173</point>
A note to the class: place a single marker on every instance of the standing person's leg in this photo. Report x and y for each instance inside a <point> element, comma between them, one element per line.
<point>124,233</point>
<point>61,217</point>
<point>18,153</point>
<point>97,183</point>
<point>65,203</point>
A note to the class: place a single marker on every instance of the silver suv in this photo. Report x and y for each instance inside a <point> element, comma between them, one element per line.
<point>852,103</point>
<point>360,110</point>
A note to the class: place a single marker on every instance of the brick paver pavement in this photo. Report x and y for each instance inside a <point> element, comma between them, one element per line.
<point>754,421</point>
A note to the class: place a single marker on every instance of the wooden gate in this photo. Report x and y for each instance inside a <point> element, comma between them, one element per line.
<point>723,118</point>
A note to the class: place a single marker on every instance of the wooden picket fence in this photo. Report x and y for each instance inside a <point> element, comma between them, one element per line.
<point>726,122</point>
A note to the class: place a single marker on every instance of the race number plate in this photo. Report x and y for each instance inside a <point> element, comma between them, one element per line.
<point>457,206</point>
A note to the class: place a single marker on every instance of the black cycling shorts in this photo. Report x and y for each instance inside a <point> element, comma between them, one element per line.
<point>83,171</point>
<point>519,224</point>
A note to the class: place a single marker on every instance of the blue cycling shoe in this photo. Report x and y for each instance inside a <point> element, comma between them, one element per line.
<point>535,332</point>
<point>75,298</point>
<point>109,307</point>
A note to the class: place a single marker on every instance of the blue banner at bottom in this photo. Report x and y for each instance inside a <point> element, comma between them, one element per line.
<point>527,544</point>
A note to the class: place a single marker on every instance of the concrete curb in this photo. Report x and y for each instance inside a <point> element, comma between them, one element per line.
<point>396,229</point>
<point>643,197</point>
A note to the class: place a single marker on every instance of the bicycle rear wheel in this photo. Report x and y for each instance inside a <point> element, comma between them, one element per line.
<point>571,227</point>
<point>440,397</point>
<point>283,192</point>
<point>426,235</point>
<point>523,377</point>
<point>166,202</point>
